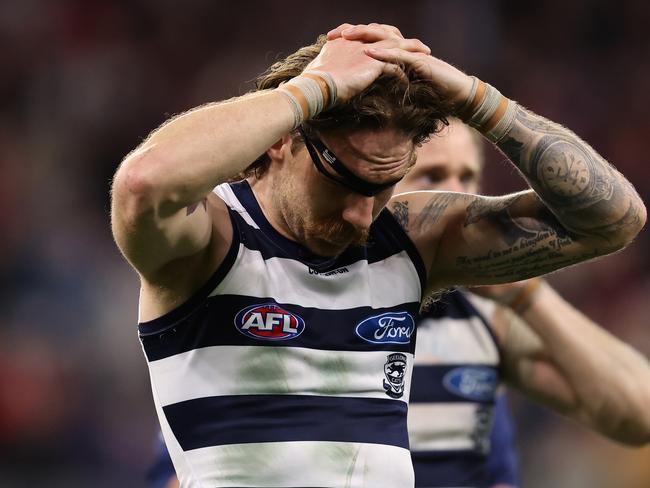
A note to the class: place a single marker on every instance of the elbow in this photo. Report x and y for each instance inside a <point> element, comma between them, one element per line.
<point>634,220</point>
<point>632,434</point>
<point>624,230</point>
<point>631,426</point>
<point>133,187</point>
<point>642,219</point>
<point>639,419</point>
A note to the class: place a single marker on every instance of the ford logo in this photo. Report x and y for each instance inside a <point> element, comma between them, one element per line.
<point>478,383</point>
<point>387,328</point>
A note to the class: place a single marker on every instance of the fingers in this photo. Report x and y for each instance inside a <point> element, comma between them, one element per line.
<point>381,33</point>
<point>393,55</point>
<point>371,32</point>
<point>336,33</point>
<point>400,57</point>
<point>392,28</point>
<point>368,33</point>
<point>412,45</point>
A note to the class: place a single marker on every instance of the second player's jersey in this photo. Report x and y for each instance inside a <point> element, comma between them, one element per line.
<point>287,370</point>
<point>455,382</point>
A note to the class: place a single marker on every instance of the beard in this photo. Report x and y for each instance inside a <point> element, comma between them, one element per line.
<point>325,236</point>
<point>331,236</point>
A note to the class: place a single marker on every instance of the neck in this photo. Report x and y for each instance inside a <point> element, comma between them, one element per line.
<point>263,191</point>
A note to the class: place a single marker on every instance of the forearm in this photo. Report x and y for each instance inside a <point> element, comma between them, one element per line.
<point>585,193</point>
<point>609,379</point>
<point>184,159</point>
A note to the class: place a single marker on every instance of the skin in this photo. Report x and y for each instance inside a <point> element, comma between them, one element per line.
<point>467,239</point>
<point>579,207</point>
<point>551,351</point>
<point>328,218</point>
<point>175,232</point>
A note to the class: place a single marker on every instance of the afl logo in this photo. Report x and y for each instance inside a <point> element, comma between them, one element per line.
<point>268,321</point>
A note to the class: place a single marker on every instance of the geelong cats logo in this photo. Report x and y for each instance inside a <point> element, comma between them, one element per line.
<point>269,321</point>
<point>395,370</point>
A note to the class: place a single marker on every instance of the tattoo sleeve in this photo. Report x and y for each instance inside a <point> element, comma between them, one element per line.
<point>585,193</point>
<point>192,208</point>
<point>528,246</point>
<point>401,213</point>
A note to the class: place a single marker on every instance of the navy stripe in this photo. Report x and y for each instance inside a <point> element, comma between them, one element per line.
<point>454,383</point>
<point>184,310</point>
<point>271,243</point>
<point>271,246</point>
<point>240,419</point>
<point>502,461</point>
<point>214,325</point>
<point>441,469</point>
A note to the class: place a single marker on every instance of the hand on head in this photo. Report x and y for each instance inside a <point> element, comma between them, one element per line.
<point>385,43</point>
<point>346,58</point>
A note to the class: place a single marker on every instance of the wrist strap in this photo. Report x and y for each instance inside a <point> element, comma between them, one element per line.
<point>309,94</point>
<point>488,111</point>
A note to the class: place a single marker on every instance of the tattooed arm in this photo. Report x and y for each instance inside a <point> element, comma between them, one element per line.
<point>587,195</point>
<point>580,208</point>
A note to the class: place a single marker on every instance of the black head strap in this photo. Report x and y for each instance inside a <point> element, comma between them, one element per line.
<point>348,179</point>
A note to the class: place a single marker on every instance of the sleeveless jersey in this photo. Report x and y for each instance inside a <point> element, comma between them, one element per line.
<point>455,384</point>
<point>290,370</point>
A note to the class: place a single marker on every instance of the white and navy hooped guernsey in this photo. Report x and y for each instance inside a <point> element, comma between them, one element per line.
<point>288,370</point>
<point>455,382</point>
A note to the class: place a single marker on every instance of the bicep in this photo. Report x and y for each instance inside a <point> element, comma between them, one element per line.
<point>152,237</point>
<point>486,240</point>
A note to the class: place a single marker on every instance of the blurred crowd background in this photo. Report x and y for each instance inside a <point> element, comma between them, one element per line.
<point>82,82</point>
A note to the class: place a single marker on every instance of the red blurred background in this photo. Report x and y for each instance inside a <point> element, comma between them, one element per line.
<point>83,82</point>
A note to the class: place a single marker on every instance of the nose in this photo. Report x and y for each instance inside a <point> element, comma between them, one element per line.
<point>358,210</point>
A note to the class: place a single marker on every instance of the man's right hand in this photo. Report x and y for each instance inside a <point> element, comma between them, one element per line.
<point>349,64</point>
<point>385,43</point>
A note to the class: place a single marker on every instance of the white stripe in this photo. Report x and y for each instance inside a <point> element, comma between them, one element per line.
<point>224,192</point>
<point>176,453</point>
<point>259,370</point>
<point>485,306</point>
<point>305,464</point>
<point>455,341</point>
<point>386,283</point>
<point>441,426</point>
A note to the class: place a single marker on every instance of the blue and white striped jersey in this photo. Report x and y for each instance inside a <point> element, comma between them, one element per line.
<point>287,369</point>
<point>455,383</point>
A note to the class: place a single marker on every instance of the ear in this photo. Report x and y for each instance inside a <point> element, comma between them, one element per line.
<point>281,149</point>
